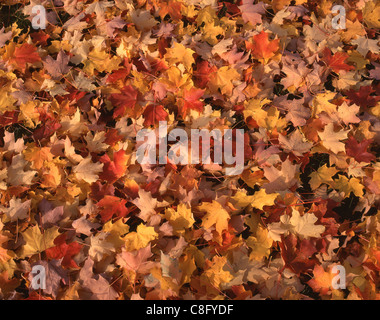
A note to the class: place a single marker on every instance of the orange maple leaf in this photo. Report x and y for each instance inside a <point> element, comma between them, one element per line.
<point>191,100</point>
<point>124,101</point>
<point>336,62</point>
<point>153,114</point>
<point>114,169</point>
<point>112,206</point>
<point>27,53</point>
<point>262,48</point>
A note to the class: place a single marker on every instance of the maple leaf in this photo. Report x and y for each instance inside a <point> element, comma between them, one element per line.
<point>304,226</point>
<point>113,169</point>
<point>136,260</point>
<point>112,206</point>
<point>179,53</point>
<point>261,199</point>
<point>180,219</point>
<point>260,244</point>
<point>191,101</point>
<point>216,274</point>
<point>153,114</point>
<point>363,97</point>
<point>261,47</point>
<point>203,73</point>
<point>336,62</point>
<point>331,139</point>
<point>345,185</point>
<point>36,241</point>
<point>252,12</point>
<point>101,246</point>
<point>59,67</point>
<point>87,170</point>
<point>26,53</point>
<point>348,113</point>
<point>322,281</point>
<point>124,101</point>
<point>17,209</point>
<point>38,156</point>
<point>140,238</point>
<point>358,150</point>
<point>215,215</point>
<point>222,79</point>
<point>65,251</point>
<point>297,254</point>
<point>324,174</point>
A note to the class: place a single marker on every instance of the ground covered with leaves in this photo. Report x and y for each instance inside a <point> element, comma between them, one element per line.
<point>75,200</point>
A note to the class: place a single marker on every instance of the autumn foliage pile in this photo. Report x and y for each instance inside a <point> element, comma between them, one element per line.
<point>74,200</point>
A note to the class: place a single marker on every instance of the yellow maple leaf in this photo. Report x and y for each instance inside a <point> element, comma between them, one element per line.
<point>175,80</point>
<point>222,80</point>
<point>180,54</point>
<point>215,215</point>
<point>210,32</point>
<point>321,102</point>
<point>187,265</point>
<point>116,232</point>
<point>345,185</point>
<point>37,155</point>
<point>37,242</point>
<point>180,219</point>
<point>261,199</point>
<point>253,108</point>
<point>29,114</point>
<point>260,244</point>
<point>140,238</point>
<point>371,14</point>
<point>216,274</point>
<point>324,174</point>
<point>100,60</point>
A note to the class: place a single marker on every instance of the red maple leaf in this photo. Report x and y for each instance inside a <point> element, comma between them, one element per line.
<point>358,150</point>
<point>202,74</point>
<point>112,136</point>
<point>65,251</point>
<point>40,38</point>
<point>99,191</point>
<point>113,169</point>
<point>124,101</point>
<point>362,97</point>
<point>336,62</point>
<point>297,254</point>
<point>153,114</point>
<point>191,100</point>
<point>116,75</point>
<point>112,206</point>
<point>49,124</point>
<point>8,117</point>
<point>27,53</point>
